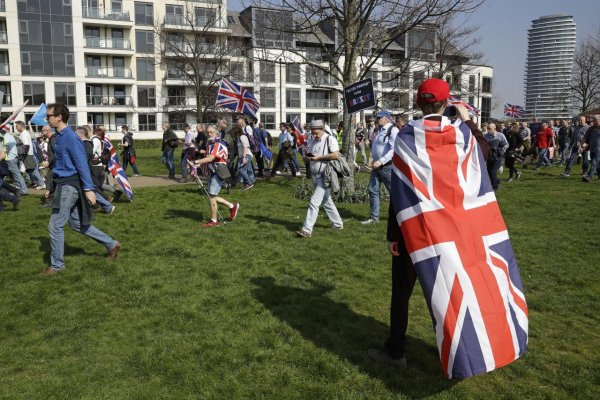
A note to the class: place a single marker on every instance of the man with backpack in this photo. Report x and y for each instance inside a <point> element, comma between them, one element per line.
<point>321,149</point>
<point>129,156</point>
<point>382,150</point>
<point>96,173</point>
<point>169,144</point>
<point>497,144</point>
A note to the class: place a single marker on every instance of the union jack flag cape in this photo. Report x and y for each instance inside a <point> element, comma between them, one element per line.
<point>470,107</point>
<point>300,138</point>
<point>116,171</point>
<point>512,110</point>
<point>233,96</point>
<point>459,246</point>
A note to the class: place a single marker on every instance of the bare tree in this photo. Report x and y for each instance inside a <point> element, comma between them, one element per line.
<point>349,37</point>
<point>195,49</point>
<point>585,82</point>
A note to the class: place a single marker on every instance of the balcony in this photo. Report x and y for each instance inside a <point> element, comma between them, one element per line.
<point>4,70</point>
<point>109,101</point>
<point>323,80</point>
<point>321,103</point>
<point>108,72</point>
<point>107,43</point>
<point>101,13</point>
<point>391,62</point>
<point>179,101</point>
<point>178,48</point>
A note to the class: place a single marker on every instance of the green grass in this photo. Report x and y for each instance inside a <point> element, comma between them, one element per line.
<point>248,311</point>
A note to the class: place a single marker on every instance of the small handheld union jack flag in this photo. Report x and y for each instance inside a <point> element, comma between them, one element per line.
<point>114,167</point>
<point>233,96</point>
<point>512,110</point>
<point>470,107</point>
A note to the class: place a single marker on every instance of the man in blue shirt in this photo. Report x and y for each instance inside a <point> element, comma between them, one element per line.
<point>73,191</point>
<point>382,151</point>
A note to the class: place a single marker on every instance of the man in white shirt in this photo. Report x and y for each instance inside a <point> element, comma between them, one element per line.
<point>187,151</point>
<point>34,174</point>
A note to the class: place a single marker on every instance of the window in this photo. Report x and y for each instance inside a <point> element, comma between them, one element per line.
<point>176,96</point>
<point>486,109</point>
<point>292,98</point>
<point>267,71</point>
<point>146,96</point>
<point>421,44</point>
<point>144,14</point>
<point>173,15</point>
<point>486,85</point>
<point>206,16</point>
<point>147,122</point>
<point>231,20</point>
<point>144,41</point>
<point>34,92</point>
<point>292,73</point>
<point>5,87</point>
<point>471,84</point>
<point>418,77</point>
<point>120,119</point>
<point>289,118</point>
<point>145,69</point>
<point>65,93</point>
<point>268,119</point>
<point>267,97</point>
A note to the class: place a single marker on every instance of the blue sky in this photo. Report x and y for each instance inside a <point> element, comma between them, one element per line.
<point>503,32</point>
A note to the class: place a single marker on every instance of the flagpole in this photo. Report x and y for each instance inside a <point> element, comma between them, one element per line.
<point>14,115</point>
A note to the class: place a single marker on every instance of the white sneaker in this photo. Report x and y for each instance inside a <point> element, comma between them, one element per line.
<point>277,172</point>
<point>298,174</point>
<point>369,221</point>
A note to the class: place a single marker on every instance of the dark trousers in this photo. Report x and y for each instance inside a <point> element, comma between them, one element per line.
<point>283,156</point>
<point>492,167</point>
<point>260,165</point>
<point>126,162</point>
<point>509,162</point>
<point>8,193</point>
<point>403,283</point>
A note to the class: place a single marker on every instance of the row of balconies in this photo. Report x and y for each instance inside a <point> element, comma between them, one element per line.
<point>109,101</point>
<point>181,21</point>
<point>107,43</point>
<point>184,101</point>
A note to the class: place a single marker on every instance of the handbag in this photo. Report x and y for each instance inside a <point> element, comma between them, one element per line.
<point>222,171</point>
<point>29,163</point>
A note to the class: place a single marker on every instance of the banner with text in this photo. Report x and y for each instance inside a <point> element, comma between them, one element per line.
<point>359,96</point>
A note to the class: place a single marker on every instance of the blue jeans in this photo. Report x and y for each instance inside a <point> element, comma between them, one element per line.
<point>68,212</point>
<point>295,160</point>
<point>15,174</point>
<point>321,197</point>
<point>184,165</point>
<point>378,176</point>
<point>595,164</point>
<point>542,157</point>
<point>105,204</point>
<point>246,171</point>
<point>167,160</point>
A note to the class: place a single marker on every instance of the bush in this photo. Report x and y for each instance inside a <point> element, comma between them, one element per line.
<point>359,196</point>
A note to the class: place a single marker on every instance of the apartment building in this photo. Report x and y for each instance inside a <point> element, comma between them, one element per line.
<point>115,62</point>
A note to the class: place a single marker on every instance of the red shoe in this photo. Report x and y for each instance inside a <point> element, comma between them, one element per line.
<point>210,224</point>
<point>233,212</point>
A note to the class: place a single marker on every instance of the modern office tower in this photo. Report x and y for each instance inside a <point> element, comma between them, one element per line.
<point>550,52</point>
<point>107,61</point>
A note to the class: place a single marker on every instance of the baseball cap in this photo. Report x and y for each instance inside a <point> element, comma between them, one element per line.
<point>433,90</point>
<point>317,124</point>
<point>186,126</point>
<point>383,113</point>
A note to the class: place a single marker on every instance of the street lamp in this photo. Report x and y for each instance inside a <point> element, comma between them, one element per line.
<point>539,96</point>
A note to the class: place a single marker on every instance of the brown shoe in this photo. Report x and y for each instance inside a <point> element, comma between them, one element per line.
<point>49,271</point>
<point>112,254</point>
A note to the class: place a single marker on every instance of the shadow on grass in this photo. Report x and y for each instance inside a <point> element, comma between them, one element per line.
<point>69,250</point>
<point>336,328</point>
<point>286,223</point>
<point>189,214</point>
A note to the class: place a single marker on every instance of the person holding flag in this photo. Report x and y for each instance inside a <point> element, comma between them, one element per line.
<point>216,159</point>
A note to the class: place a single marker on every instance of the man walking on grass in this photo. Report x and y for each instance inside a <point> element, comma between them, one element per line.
<point>73,192</point>
<point>322,149</point>
<point>217,163</point>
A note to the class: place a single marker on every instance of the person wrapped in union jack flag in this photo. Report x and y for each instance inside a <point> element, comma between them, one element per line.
<point>216,158</point>
<point>445,228</point>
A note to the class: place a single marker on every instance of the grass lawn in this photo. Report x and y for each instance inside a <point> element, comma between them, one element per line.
<point>248,311</point>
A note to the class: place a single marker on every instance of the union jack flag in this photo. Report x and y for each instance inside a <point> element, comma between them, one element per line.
<point>470,107</point>
<point>300,138</point>
<point>114,167</point>
<point>459,246</point>
<point>233,96</point>
<point>512,110</point>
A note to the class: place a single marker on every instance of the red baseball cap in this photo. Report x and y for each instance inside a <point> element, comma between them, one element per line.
<point>433,90</point>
